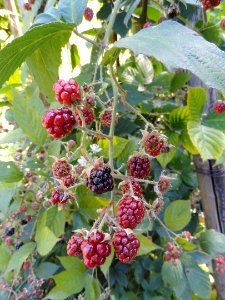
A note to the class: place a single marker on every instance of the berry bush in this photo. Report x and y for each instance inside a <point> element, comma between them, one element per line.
<point>100,122</point>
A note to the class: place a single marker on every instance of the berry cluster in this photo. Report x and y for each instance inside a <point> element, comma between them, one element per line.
<point>139,166</point>
<point>219,107</point>
<point>220,264</point>
<point>208,4</point>
<point>154,143</point>
<point>67,92</point>
<point>173,253</point>
<point>28,4</point>
<point>106,118</point>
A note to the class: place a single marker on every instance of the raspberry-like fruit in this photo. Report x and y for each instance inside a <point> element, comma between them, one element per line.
<point>173,11</point>
<point>74,245</point>
<point>88,115</point>
<point>95,249</point>
<point>126,246</point>
<point>147,24</point>
<point>88,14</point>
<point>22,209</point>
<point>67,92</point>
<point>222,24</point>
<point>59,122</point>
<point>100,180</point>
<point>139,165</point>
<point>130,212</point>
<point>106,118</point>
<point>163,184</point>
<point>219,107</point>
<point>153,142</point>
<point>68,180</point>
<point>61,168</point>
<point>59,197</point>
<point>131,187</point>
<point>207,4</point>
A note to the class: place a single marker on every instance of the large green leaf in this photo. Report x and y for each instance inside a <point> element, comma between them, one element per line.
<point>177,214</point>
<point>9,172</point>
<point>55,220</point>
<point>92,288</point>
<point>179,81</point>
<point>16,52</point>
<point>11,136</point>
<point>198,279</point>
<point>215,121</point>
<point>179,117</point>
<point>28,118</point>
<point>7,191</point>
<point>179,47</point>
<point>19,257</point>
<point>196,100</point>
<point>187,143</point>
<point>210,142</point>
<point>165,158</point>
<point>119,145</point>
<point>72,10</point>
<point>212,242</point>
<point>71,262</point>
<point>172,275</point>
<point>44,67</point>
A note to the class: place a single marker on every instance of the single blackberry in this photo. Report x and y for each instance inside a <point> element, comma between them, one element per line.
<point>67,92</point>
<point>61,168</point>
<point>130,212</point>
<point>139,165</point>
<point>131,187</point>
<point>74,245</point>
<point>19,245</point>
<point>126,246</point>
<point>95,249</point>
<point>59,122</point>
<point>9,231</point>
<point>100,180</point>
<point>23,222</point>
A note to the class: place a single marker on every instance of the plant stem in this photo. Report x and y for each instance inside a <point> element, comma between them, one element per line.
<point>96,133</point>
<point>124,177</point>
<point>105,41</point>
<point>86,39</point>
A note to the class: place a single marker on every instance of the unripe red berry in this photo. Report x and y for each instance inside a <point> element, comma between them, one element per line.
<point>131,187</point>
<point>8,241</point>
<point>74,245</point>
<point>89,101</point>
<point>59,197</point>
<point>88,14</point>
<point>61,168</point>
<point>219,107</point>
<point>106,118</point>
<point>59,122</point>
<point>153,142</point>
<point>71,143</point>
<point>139,166</point>
<point>67,92</point>
<point>169,247</point>
<point>126,246</point>
<point>88,115</point>
<point>208,4</point>
<point>167,257</point>
<point>68,180</point>
<point>130,212</point>
<point>22,209</point>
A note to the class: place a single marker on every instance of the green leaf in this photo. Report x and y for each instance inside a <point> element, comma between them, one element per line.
<point>177,214</point>
<point>46,240</point>
<point>71,262</point>
<point>215,121</point>
<point>46,269</point>
<point>19,257</point>
<point>44,67</point>
<point>212,242</point>
<point>16,52</point>
<point>186,245</point>
<point>196,101</point>
<point>110,56</point>
<point>107,264</point>
<point>4,258</point>
<point>28,119</point>
<point>129,296</point>
<point>74,55</point>
<point>72,10</point>
<point>92,289</point>
<point>179,117</point>
<point>187,143</point>
<point>176,52</point>
<point>179,81</point>
<point>146,246</point>
<point>9,172</point>
<point>165,158</point>
<point>55,220</point>
<point>11,136</point>
<point>220,160</point>
<point>7,191</point>
<point>198,279</point>
<point>172,275</point>
<point>89,202</point>
<point>49,16</point>
<point>54,149</point>
<point>210,142</point>
<point>118,143</point>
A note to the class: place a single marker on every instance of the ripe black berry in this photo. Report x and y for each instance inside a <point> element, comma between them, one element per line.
<point>100,180</point>
<point>19,245</point>
<point>9,231</point>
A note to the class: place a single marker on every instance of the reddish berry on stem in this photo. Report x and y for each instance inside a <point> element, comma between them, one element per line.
<point>106,118</point>
<point>126,246</point>
<point>219,107</point>
<point>59,122</point>
<point>88,115</point>
<point>59,197</point>
<point>130,212</point>
<point>68,180</point>
<point>100,180</point>
<point>88,14</point>
<point>139,165</point>
<point>207,4</point>
<point>95,249</point>
<point>61,168</point>
<point>22,209</point>
<point>131,187</point>
<point>67,92</point>
<point>222,24</point>
<point>153,142</point>
<point>74,245</point>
